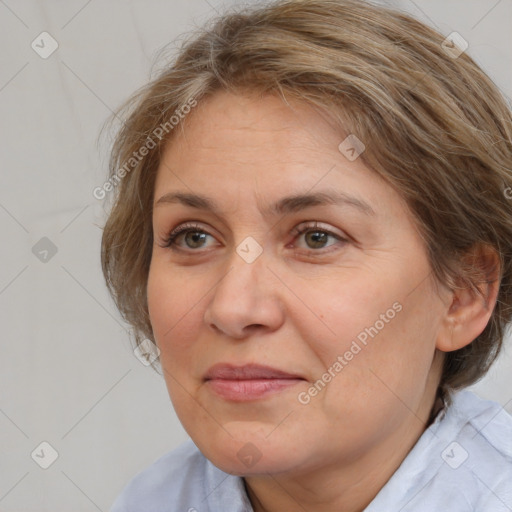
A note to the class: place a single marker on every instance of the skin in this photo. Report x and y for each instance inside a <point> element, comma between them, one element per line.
<point>297,307</point>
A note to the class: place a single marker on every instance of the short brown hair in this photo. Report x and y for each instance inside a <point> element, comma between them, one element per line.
<point>435,127</point>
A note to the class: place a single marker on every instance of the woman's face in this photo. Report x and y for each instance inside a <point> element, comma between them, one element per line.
<point>336,294</point>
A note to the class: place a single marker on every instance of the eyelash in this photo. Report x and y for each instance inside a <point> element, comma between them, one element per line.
<point>169,241</point>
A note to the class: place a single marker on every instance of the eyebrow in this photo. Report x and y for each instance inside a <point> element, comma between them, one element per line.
<point>289,204</point>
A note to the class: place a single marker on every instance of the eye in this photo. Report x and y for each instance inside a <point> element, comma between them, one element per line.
<point>192,234</point>
<point>315,237</point>
<point>194,237</point>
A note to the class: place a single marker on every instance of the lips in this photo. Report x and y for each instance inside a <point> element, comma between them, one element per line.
<point>248,382</point>
<point>247,372</point>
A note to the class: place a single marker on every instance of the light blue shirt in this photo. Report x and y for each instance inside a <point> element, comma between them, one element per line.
<point>461,463</point>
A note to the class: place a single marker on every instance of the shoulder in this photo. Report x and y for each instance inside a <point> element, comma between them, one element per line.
<point>170,481</point>
<point>484,448</point>
<point>473,452</point>
<point>484,424</point>
<point>461,463</point>
<point>183,480</point>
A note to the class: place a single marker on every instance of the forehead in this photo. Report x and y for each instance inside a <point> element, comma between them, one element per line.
<point>243,124</point>
<point>233,143</point>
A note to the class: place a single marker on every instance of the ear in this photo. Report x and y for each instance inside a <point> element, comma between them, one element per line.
<point>467,312</point>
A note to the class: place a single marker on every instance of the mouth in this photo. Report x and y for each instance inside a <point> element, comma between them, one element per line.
<point>248,382</point>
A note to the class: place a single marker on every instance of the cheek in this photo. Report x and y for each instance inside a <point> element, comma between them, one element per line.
<point>173,314</point>
<point>158,302</point>
<point>384,334</point>
<point>346,308</point>
<point>395,359</point>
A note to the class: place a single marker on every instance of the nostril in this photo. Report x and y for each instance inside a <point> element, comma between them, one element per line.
<point>253,327</point>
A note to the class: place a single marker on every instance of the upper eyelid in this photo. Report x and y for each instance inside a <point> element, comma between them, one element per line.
<point>191,225</point>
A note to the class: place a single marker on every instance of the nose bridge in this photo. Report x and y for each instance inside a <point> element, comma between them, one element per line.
<point>244,296</point>
<point>245,277</point>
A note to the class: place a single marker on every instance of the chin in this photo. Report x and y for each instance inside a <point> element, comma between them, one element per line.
<point>247,453</point>
<point>248,462</point>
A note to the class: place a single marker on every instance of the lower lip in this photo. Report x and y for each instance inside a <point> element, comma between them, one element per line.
<point>240,390</point>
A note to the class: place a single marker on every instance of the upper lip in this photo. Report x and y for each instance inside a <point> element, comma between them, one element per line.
<point>247,372</point>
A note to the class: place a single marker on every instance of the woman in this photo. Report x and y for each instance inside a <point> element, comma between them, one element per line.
<point>311,227</point>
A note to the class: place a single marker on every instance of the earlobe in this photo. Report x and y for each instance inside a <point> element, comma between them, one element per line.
<point>469,311</point>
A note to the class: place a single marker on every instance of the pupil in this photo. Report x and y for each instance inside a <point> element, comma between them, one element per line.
<point>196,237</point>
<point>318,238</point>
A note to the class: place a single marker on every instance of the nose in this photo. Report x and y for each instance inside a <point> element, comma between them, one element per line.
<point>246,299</point>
